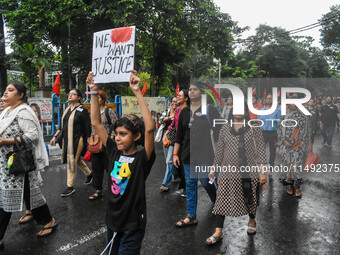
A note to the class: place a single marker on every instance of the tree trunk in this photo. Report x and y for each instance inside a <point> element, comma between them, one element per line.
<point>41,72</point>
<point>65,68</point>
<point>3,64</point>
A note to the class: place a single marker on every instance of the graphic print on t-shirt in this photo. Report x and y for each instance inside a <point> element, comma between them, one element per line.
<point>120,175</point>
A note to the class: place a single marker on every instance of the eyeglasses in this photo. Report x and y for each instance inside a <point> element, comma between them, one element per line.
<point>72,94</point>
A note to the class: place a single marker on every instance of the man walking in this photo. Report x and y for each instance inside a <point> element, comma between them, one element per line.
<point>329,118</point>
<point>269,128</point>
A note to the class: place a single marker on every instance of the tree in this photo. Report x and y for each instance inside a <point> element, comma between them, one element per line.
<point>330,35</point>
<point>3,69</point>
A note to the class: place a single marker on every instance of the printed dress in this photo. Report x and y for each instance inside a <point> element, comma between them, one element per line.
<point>12,186</point>
<point>230,193</point>
<point>294,128</point>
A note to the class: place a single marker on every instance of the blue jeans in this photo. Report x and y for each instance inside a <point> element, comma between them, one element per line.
<point>125,243</point>
<point>327,134</point>
<point>191,189</point>
<point>170,169</point>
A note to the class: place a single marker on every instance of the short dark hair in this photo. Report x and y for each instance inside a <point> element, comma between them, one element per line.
<point>136,128</point>
<point>21,88</point>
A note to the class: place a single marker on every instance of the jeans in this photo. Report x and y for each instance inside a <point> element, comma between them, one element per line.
<point>327,134</point>
<point>125,243</point>
<point>191,189</point>
<point>270,137</point>
<point>170,169</point>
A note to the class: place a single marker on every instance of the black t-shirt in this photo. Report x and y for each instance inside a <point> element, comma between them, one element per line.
<point>183,134</point>
<point>126,201</point>
<point>329,115</point>
<point>200,137</point>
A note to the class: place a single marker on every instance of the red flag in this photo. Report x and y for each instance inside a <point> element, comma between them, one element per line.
<point>177,89</point>
<point>56,86</point>
<point>279,94</point>
<point>265,93</point>
<point>145,87</point>
<point>254,91</point>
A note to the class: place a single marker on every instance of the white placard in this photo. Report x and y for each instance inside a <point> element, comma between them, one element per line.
<point>113,54</point>
<point>44,108</point>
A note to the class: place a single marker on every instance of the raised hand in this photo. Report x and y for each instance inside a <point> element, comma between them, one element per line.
<point>134,81</point>
<point>90,82</point>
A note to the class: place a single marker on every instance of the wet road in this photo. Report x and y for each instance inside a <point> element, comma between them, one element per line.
<point>285,224</point>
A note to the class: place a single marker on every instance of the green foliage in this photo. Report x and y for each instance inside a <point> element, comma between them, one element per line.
<point>330,35</point>
<point>166,31</point>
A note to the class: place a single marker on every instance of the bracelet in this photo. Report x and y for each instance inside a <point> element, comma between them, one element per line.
<point>175,154</point>
<point>92,92</point>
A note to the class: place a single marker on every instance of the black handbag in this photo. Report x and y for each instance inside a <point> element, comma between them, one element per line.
<point>172,134</point>
<point>21,160</point>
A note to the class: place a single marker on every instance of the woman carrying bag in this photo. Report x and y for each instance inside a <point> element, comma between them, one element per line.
<point>166,120</point>
<point>19,120</point>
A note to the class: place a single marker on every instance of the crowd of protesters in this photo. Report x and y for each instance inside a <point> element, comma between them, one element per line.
<point>194,148</point>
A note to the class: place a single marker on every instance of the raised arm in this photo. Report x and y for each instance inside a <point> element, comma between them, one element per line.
<point>95,111</point>
<point>148,122</point>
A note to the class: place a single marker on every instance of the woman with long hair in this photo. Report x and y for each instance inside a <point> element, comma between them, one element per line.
<point>167,118</point>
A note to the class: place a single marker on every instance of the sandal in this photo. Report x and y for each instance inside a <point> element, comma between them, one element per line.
<point>298,194</point>
<point>54,227</point>
<point>192,221</point>
<point>29,217</point>
<point>214,240</point>
<point>164,188</point>
<point>290,192</point>
<point>96,195</point>
<point>251,228</point>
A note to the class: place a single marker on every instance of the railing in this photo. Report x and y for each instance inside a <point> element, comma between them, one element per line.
<point>62,105</point>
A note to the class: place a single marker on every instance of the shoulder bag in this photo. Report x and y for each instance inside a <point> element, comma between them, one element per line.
<point>20,160</point>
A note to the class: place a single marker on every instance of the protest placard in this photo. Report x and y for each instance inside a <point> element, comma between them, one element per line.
<point>43,106</point>
<point>113,54</point>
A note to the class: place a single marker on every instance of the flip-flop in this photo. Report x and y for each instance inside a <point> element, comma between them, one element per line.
<point>30,217</point>
<point>290,194</point>
<point>54,227</point>
<point>94,197</point>
<point>298,196</point>
<point>214,240</point>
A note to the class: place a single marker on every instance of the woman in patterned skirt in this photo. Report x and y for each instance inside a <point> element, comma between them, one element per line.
<point>294,140</point>
<point>19,120</point>
<point>238,148</point>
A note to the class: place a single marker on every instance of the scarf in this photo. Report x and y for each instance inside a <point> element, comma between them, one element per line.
<point>24,112</point>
